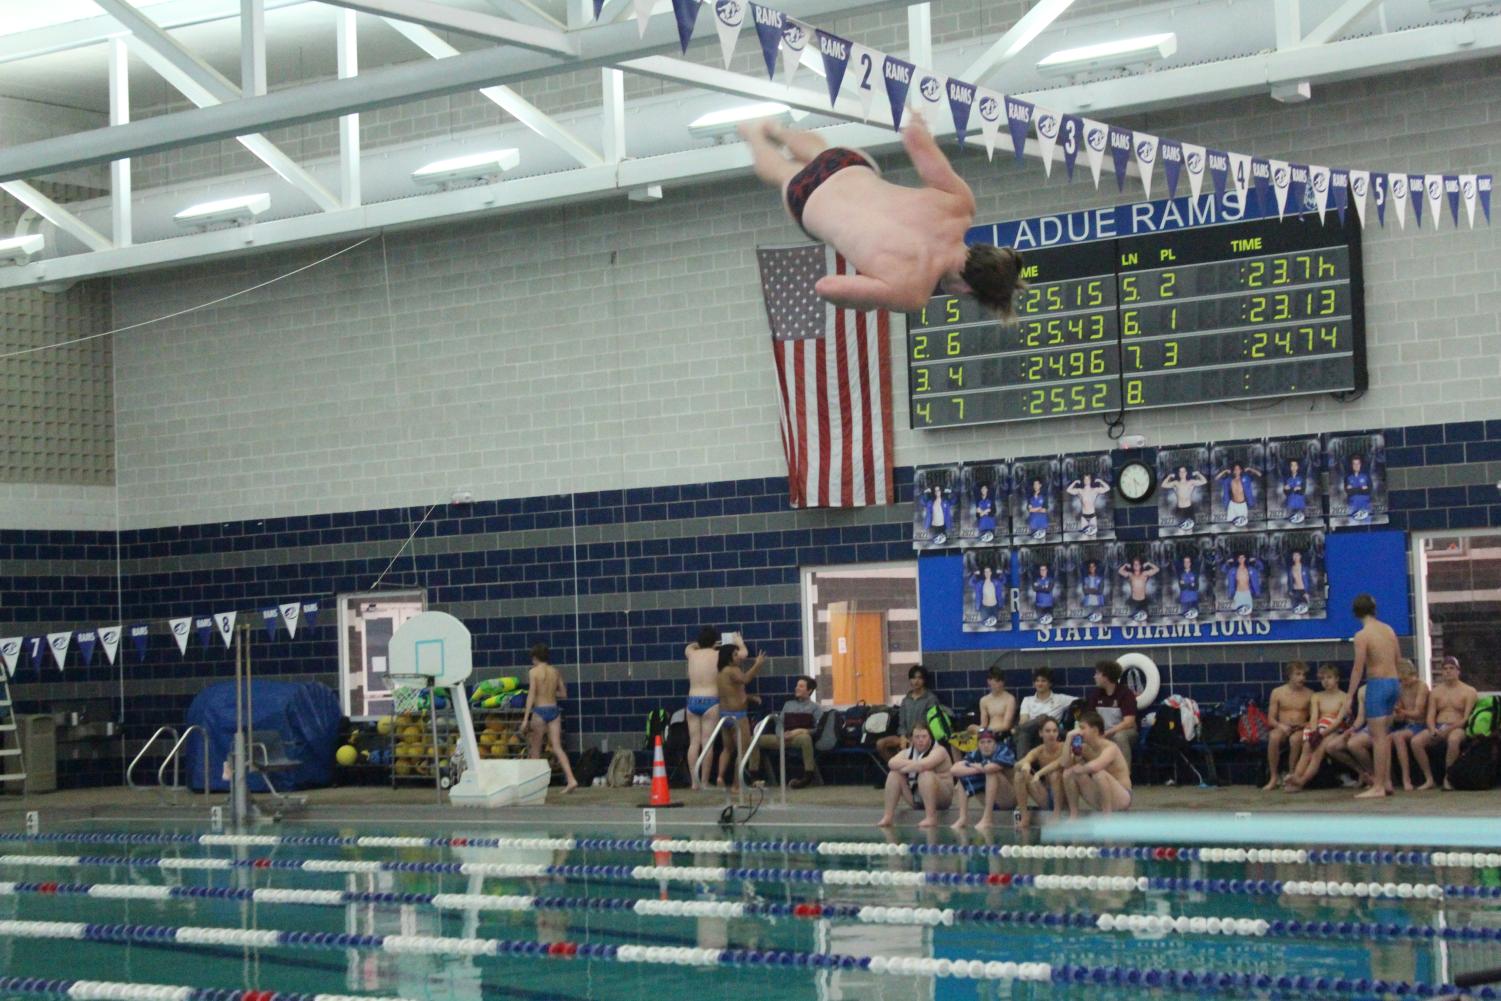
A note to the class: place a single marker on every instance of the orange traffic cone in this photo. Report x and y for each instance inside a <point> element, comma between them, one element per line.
<point>661,795</point>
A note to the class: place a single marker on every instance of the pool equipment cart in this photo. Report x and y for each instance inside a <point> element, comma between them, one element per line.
<point>433,650</point>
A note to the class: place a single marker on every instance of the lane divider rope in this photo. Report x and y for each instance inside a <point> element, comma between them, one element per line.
<point>1198,982</point>
<point>1283,856</point>
<point>826,877</point>
<point>105,990</point>
<point>805,909</point>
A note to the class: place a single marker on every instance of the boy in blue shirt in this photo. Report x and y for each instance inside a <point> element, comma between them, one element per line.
<point>986,768</point>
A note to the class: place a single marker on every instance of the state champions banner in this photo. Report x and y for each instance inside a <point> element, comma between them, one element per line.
<point>1280,186</point>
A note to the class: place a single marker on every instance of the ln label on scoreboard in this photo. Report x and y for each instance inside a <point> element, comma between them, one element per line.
<point>1234,312</point>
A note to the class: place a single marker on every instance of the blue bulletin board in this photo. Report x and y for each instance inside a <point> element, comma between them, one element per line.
<point>1370,562</point>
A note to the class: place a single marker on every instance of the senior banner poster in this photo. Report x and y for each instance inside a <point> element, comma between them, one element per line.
<point>1183,490</point>
<point>984,518</point>
<point>1357,479</point>
<point>1241,576</point>
<point>1138,589</point>
<point>1087,510</point>
<point>1034,501</point>
<point>1238,502</point>
<point>1297,587</point>
<point>987,590</point>
<point>1294,490</point>
<point>935,506</point>
<point>1190,573</point>
<point>1089,569</point>
<point>1042,592</point>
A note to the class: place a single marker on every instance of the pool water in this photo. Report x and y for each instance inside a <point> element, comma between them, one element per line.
<point>1063,927</point>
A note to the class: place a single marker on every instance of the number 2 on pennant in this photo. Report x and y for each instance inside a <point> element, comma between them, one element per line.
<point>869,65</point>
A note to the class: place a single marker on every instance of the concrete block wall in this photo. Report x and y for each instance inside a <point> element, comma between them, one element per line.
<point>618,345</point>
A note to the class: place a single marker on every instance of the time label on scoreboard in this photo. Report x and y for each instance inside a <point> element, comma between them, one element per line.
<point>1232,312</point>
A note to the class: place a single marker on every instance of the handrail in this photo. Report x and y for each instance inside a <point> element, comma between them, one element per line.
<point>173,760</point>
<point>708,747</point>
<point>755,737</point>
<point>129,781</point>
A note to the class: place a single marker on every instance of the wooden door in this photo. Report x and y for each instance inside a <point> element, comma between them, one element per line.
<point>857,646</point>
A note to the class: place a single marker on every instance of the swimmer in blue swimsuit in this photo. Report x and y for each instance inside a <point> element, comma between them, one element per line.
<point>543,717</point>
<point>703,699</point>
<point>733,706</point>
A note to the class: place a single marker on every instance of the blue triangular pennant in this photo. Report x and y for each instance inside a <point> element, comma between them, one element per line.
<point>86,640</point>
<point>1261,177</point>
<point>1018,123</point>
<point>1339,191</point>
<point>1219,169</point>
<point>1071,138</point>
<point>961,100</point>
<point>1298,195</point>
<point>898,76</point>
<point>599,5</point>
<point>205,628</point>
<point>139,634</point>
<point>836,59</point>
<point>686,12</point>
<point>271,618</point>
<point>309,614</point>
<point>1451,188</point>
<point>1483,192</point>
<point>38,649</point>
<point>1415,192</point>
<point>1379,191</point>
<point>1120,154</point>
<point>1171,155</point>
<point>769,24</point>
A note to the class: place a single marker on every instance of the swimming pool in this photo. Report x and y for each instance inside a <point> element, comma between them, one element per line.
<point>591,915</point>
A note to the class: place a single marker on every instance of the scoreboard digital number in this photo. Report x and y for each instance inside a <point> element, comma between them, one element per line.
<point>1233,312</point>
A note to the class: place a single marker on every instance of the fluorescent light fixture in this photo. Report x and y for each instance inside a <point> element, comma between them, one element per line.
<point>1118,54</point>
<point>468,169</point>
<point>723,122</point>
<point>20,249</point>
<point>240,210</point>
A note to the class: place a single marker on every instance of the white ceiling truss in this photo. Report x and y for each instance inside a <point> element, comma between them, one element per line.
<point>1227,48</point>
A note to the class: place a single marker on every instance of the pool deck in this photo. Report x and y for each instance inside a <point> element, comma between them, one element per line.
<point>1229,815</point>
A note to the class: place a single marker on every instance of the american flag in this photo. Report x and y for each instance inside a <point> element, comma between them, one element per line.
<point>834,377</point>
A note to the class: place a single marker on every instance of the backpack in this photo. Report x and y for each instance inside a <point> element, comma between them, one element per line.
<point>1475,769</point>
<point>590,765</point>
<point>826,734</point>
<point>1253,725</point>
<point>1167,729</point>
<point>881,722</point>
<point>852,725</point>
<point>622,769</point>
<point>940,723</point>
<point>1482,721</point>
<point>656,726</point>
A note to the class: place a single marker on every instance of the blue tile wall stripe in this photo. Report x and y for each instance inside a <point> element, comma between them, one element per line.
<point>616,569</point>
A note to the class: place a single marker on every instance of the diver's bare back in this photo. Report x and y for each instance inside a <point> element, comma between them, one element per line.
<point>905,238</point>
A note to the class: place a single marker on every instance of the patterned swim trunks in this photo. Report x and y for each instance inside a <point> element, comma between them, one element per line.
<point>822,167</point>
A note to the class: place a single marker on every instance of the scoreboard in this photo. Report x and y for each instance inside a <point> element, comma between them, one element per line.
<point>1233,312</point>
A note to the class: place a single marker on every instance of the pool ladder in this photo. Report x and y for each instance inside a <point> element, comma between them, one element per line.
<point>745,759</point>
<point>167,792</point>
<point>9,773</point>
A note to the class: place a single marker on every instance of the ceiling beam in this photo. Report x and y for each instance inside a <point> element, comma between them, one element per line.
<point>57,215</point>
<point>252,46</point>
<point>84,32</point>
<point>1337,21</point>
<point>505,98</point>
<point>525,10</point>
<point>552,41</point>
<point>206,87</point>
<point>760,89</point>
<point>598,46</point>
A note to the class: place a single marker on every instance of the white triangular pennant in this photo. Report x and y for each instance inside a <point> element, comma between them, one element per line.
<point>59,643</point>
<point>1240,172</point>
<point>290,613</point>
<point>181,628</point>
<point>991,109</point>
<point>1096,139</point>
<point>10,653</point>
<point>1146,159</point>
<point>1397,195</point>
<point>1467,192</point>
<point>729,16</point>
<point>795,37</point>
<point>643,13</point>
<point>1193,166</point>
<point>865,74</point>
<point>1046,123</point>
<point>109,639</point>
<point>1318,178</point>
<point>929,94</point>
<point>224,622</point>
<point>1281,181</point>
<point>1360,186</point>
<point>1433,190</point>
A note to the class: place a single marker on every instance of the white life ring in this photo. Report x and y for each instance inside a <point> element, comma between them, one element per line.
<point>1141,676</point>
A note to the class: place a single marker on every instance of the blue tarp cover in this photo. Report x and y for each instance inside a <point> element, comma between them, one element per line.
<point>306,715</point>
